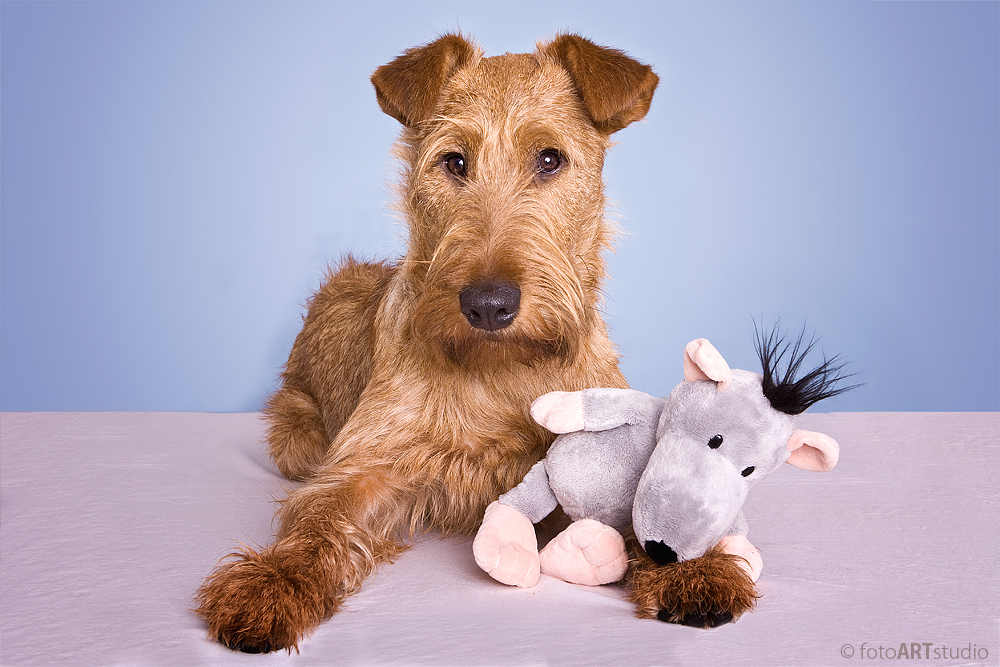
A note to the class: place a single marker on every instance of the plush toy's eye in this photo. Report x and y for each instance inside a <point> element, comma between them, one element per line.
<point>715,442</point>
<point>747,471</point>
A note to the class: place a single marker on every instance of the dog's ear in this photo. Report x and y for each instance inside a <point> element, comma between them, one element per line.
<point>408,88</point>
<point>615,89</point>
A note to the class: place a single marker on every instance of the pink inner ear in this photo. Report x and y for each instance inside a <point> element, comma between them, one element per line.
<point>812,451</point>
<point>703,362</point>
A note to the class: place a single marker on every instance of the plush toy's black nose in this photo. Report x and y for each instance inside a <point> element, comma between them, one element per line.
<point>490,305</point>
<point>660,552</point>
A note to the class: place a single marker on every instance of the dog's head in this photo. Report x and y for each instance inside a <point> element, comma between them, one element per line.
<point>503,192</point>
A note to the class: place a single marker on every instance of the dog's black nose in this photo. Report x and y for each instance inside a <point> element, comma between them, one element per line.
<point>660,552</point>
<point>490,305</point>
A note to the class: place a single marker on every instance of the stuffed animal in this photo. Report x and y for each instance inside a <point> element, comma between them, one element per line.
<point>677,469</point>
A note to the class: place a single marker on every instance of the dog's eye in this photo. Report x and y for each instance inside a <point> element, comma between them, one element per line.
<point>549,161</point>
<point>715,442</point>
<point>455,163</point>
<point>747,471</point>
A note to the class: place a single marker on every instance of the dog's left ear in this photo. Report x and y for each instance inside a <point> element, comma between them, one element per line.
<point>408,88</point>
<point>615,89</point>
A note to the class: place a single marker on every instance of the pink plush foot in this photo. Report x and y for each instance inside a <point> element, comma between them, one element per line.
<point>506,548</point>
<point>588,552</point>
<point>739,545</point>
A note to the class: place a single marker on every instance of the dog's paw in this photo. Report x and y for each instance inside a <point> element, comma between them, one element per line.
<point>704,592</point>
<point>559,411</point>
<point>588,552</point>
<point>252,606</point>
<point>695,619</point>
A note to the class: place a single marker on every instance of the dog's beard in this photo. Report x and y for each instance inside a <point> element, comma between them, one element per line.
<point>493,350</point>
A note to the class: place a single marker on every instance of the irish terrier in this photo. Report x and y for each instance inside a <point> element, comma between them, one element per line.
<point>405,401</point>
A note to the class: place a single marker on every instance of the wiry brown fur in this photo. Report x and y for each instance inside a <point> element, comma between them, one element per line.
<point>396,412</point>
<point>702,591</point>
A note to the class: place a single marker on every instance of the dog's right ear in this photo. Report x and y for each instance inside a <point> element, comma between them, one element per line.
<point>408,88</point>
<point>616,89</point>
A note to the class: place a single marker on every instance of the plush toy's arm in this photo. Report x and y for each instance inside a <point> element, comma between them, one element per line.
<point>596,409</point>
<point>736,543</point>
<point>740,526</point>
<point>605,409</point>
<point>739,545</point>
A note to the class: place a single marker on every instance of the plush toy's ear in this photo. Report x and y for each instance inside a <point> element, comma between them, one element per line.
<point>615,89</point>
<point>703,362</point>
<point>408,88</point>
<point>812,451</point>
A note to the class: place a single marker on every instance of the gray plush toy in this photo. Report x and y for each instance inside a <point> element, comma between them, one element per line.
<point>677,470</point>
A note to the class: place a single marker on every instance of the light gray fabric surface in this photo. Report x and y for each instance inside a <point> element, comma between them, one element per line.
<point>109,522</point>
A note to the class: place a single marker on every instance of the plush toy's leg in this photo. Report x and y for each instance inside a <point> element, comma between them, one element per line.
<point>588,552</point>
<point>739,545</point>
<point>506,547</point>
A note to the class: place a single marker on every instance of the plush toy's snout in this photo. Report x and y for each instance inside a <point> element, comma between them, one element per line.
<point>661,552</point>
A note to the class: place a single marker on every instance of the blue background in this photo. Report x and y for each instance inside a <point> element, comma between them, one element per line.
<point>176,176</point>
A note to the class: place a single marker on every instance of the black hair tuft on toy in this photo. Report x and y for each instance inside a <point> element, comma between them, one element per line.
<point>783,390</point>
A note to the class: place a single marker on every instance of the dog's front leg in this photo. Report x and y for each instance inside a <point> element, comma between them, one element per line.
<point>334,532</point>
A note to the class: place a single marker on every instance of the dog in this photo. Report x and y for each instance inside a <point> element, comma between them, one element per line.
<point>404,405</point>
